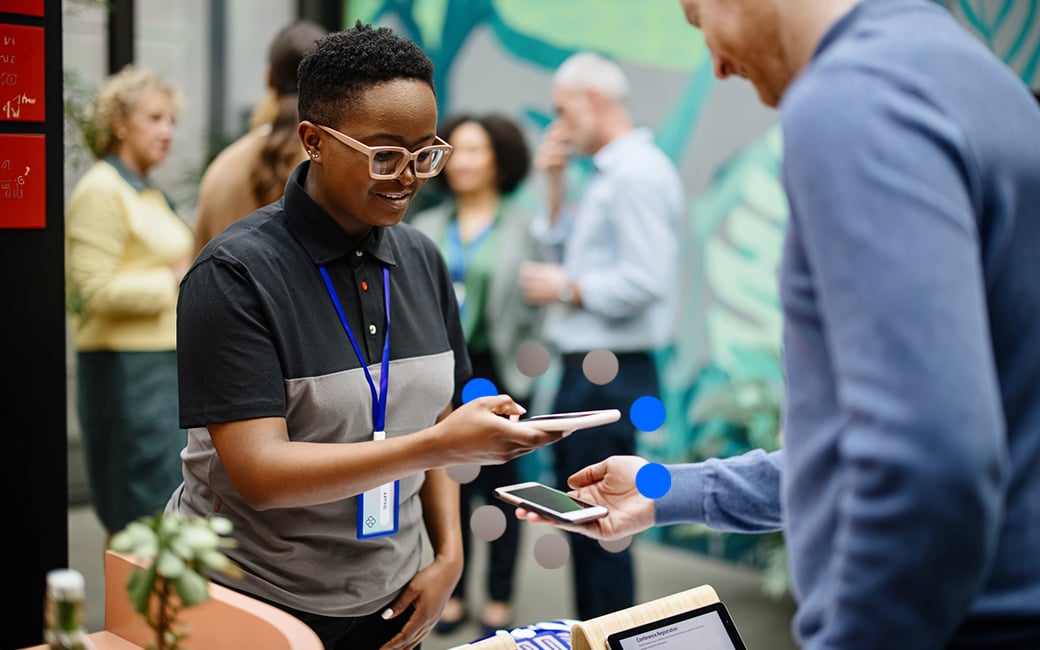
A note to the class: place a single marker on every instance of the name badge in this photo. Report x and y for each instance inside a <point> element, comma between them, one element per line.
<point>378,511</point>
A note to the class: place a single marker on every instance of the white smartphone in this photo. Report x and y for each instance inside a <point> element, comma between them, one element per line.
<point>572,421</point>
<point>550,502</point>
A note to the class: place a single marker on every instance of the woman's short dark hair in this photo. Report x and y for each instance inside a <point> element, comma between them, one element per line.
<point>512,157</point>
<point>335,73</point>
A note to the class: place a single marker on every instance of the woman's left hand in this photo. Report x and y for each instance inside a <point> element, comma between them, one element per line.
<point>426,593</point>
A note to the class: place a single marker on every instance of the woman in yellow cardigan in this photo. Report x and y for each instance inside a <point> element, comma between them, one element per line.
<point>126,250</point>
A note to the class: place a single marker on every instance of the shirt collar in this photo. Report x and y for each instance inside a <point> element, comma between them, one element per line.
<point>322,237</point>
<point>838,29</point>
<point>139,183</point>
<point>615,151</point>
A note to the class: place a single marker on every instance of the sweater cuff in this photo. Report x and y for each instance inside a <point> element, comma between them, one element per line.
<point>684,502</point>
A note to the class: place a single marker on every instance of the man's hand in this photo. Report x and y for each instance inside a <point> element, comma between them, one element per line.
<point>551,159</point>
<point>553,152</point>
<point>610,483</point>
<point>542,283</point>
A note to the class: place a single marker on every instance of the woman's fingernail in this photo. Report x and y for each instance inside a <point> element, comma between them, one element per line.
<point>514,418</point>
<point>387,613</point>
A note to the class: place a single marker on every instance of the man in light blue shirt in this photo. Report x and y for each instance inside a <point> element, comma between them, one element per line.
<point>614,287</point>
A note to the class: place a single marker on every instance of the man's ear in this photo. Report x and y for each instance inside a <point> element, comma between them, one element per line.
<point>597,99</point>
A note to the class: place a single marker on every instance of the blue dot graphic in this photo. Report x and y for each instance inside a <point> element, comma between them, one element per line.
<point>647,413</point>
<point>478,387</point>
<point>653,480</point>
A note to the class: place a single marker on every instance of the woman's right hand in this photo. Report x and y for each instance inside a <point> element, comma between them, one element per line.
<point>486,431</point>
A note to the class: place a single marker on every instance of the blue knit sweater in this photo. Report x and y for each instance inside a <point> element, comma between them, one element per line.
<point>909,486</point>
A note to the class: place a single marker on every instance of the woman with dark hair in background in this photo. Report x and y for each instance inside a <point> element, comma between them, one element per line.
<point>251,172</point>
<point>484,236</point>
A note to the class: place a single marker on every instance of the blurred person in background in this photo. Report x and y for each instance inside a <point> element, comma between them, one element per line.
<point>484,236</point>
<point>126,251</point>
<point>251,172</point>
<point>614,287</point>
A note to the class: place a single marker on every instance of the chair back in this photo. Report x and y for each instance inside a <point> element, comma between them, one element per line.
<point>227,620</point>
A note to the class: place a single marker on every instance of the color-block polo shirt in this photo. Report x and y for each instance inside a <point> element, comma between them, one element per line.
<point>258,336</point>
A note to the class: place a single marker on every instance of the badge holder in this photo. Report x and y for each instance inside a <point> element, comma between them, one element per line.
<point>378,511</point>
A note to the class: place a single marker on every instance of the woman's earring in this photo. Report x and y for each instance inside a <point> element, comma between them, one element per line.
<point>314,154</point>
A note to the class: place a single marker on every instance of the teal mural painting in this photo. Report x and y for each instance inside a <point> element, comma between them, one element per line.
<point>730,319</point>
<point>723,384</point>
<point>1011,28</point>
<point>542,33</point>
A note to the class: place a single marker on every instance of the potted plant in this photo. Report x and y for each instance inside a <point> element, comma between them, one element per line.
<point>179,552</point>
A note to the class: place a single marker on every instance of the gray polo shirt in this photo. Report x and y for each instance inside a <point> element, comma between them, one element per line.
<point>258,336</point>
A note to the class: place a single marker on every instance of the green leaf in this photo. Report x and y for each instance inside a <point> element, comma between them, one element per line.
<point>139,588</point>
<point>200,538</point>
<point>169,565</point>
<point>137,538</point>
<point>192,588</point>
<point>220,525</point>
<point>214,560</point>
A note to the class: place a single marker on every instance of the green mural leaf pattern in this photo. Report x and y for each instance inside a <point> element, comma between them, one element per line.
<point>654,34</point>
<point>1011,28</point>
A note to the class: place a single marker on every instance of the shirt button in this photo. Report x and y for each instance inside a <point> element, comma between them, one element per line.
<point>358,253</point>
<point>371,329</point>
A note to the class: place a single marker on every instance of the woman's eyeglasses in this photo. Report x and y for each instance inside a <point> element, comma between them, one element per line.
<point>385,163</point>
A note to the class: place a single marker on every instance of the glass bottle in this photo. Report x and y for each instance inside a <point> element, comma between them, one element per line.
<point>65,611</point>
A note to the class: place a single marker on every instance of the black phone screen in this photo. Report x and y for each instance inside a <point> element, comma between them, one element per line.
<point>549,498</point>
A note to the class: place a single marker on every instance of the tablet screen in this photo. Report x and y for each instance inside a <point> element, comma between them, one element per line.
<point>705,628</point>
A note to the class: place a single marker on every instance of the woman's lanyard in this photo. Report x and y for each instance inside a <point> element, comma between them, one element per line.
<point>376,505</point>
<point>378,399</point>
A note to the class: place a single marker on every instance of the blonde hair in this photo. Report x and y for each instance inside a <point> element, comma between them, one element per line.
<point>115,102</point>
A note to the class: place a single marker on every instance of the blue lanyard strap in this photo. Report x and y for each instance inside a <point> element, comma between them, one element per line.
<point>378,400</point>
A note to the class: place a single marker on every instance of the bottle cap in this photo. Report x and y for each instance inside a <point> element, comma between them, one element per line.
<point>65,584</point>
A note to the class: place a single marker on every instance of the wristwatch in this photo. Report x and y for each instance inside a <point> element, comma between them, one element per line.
<point>566,294</point>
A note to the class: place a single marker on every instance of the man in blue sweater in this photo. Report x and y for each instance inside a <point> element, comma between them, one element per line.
<point>909,486</point>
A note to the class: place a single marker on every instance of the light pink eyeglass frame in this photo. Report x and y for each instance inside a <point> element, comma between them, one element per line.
<point>406,156</point>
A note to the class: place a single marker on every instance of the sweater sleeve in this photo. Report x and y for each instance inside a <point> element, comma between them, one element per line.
<point>880,197</point>
<point>739,494</point>
<point>98,238</point>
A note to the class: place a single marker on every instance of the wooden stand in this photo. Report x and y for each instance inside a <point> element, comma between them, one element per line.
<point>592,634</point>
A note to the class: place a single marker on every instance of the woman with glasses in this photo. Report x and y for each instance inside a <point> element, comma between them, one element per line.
<point>484,235</point>
<point>319,346</point>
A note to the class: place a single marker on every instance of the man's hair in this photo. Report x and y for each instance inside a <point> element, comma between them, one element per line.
<point>508,144</point>
<point>589,71</point>
<point>343,65</point>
